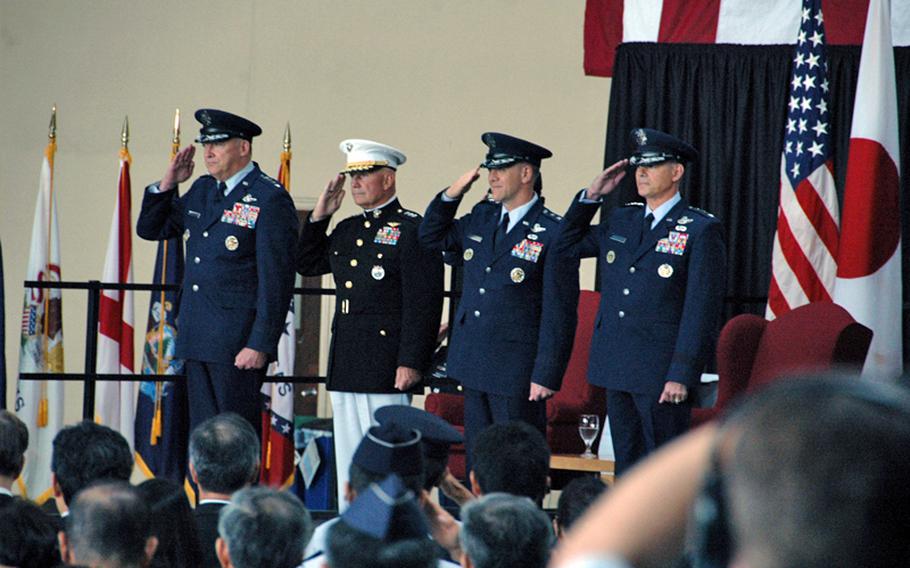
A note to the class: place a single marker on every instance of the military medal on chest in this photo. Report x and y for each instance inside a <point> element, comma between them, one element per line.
<point>388,235</point>
<point>528,249</point>
<point>242,215</point>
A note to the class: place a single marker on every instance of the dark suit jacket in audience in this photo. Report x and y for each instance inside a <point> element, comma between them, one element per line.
<point>207,520</point>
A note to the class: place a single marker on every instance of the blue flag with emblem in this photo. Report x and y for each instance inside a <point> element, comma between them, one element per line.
<point>162,419</point>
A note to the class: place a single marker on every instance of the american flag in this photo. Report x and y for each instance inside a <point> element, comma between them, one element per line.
<point>803,264</point>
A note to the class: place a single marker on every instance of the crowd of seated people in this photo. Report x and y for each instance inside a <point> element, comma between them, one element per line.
<point>808,472</point>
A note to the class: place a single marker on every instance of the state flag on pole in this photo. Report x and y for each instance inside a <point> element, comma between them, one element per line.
<point>869,262</point>
<point>115,400</point>
<point>278,398</point>
<point>162,419</point>
<point>40,403</point>
<point>803,261</point>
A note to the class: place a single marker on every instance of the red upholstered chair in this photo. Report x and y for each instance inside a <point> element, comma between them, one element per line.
<point>752,352</point>
<point>575,397</point>
<point>450,407</point>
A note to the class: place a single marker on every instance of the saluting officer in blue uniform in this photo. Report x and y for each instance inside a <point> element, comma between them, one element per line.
<point>389,294</point>
<point>662,270</point>
<point>504,243</point>
<point>240,229</point>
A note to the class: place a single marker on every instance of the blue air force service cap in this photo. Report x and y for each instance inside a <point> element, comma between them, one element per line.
<point>437,434</point>
<point>218,125</point>
<point>652,147</point>
<point>388,512</point>
<point>505,150</point>
<point>390,448</point>
<point>366,155</point>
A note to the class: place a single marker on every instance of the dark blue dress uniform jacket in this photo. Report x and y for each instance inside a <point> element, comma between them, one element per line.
<point>388,298</point>
<point>239,277</point>
<point>497,327</point>
<point>660,301</point>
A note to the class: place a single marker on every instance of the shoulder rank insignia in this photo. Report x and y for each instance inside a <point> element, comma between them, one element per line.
<point>702,211</point>
<point>550,214</point>
<point>272,180</point>
<point>410,214</point>
<point>634,204</point>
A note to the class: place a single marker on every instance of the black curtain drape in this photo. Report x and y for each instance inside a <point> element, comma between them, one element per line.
<point>730,102</point>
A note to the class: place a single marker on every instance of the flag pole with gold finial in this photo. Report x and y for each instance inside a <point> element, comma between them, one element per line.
<point>284,178</point>
<point>160,369</point>
<point>49,154</point>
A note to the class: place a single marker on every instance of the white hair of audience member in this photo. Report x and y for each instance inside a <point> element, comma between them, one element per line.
<point>263,528</point>
<point>501,530</point>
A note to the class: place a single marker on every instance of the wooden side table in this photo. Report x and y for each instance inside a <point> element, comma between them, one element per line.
<point>574,462</point>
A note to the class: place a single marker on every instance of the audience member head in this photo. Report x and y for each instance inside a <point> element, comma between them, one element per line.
<point>505,531</point>
<point>383,528</point>
<point>108,526</point>
<point>511,457</point>
<point>436,437</point>
<point>172,524</point>
<point>84,453</point>
<point>28,538</point>
<point>13,443</point>
<point>386,449</point>
<point>811,473</point>
<point>263,528</point>
<point>575,499</point>
<point>224,454</point>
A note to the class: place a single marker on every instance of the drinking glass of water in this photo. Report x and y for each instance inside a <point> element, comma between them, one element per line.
<point>588,426</point>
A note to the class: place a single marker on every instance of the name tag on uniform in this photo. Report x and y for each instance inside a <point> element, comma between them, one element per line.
<point>387,236</point>
<point>617,238</point>
<point>241,215</point>
<point>528,250</point>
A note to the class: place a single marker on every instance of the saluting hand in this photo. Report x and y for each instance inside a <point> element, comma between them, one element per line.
<point>179,169</point>
<point>607,180</point>
<point>463,184</point>
<point>330,199</point>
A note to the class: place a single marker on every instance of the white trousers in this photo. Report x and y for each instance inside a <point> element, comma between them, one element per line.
<point>352,416</point>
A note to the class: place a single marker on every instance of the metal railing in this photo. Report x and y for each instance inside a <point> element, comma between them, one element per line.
<point>89,376</point>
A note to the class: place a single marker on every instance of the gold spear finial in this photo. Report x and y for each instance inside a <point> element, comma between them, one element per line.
<point>52,128</point>
<point>176,139</point>
<point>125,132</point>
<point>287,137</point>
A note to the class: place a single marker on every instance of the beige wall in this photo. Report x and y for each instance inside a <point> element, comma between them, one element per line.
<point>428,76</point>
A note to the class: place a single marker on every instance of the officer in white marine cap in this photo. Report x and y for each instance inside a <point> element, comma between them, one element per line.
<point>239,227</point>
<point>388,294</point>
<point>505,244</point>
<point>662,273</point>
